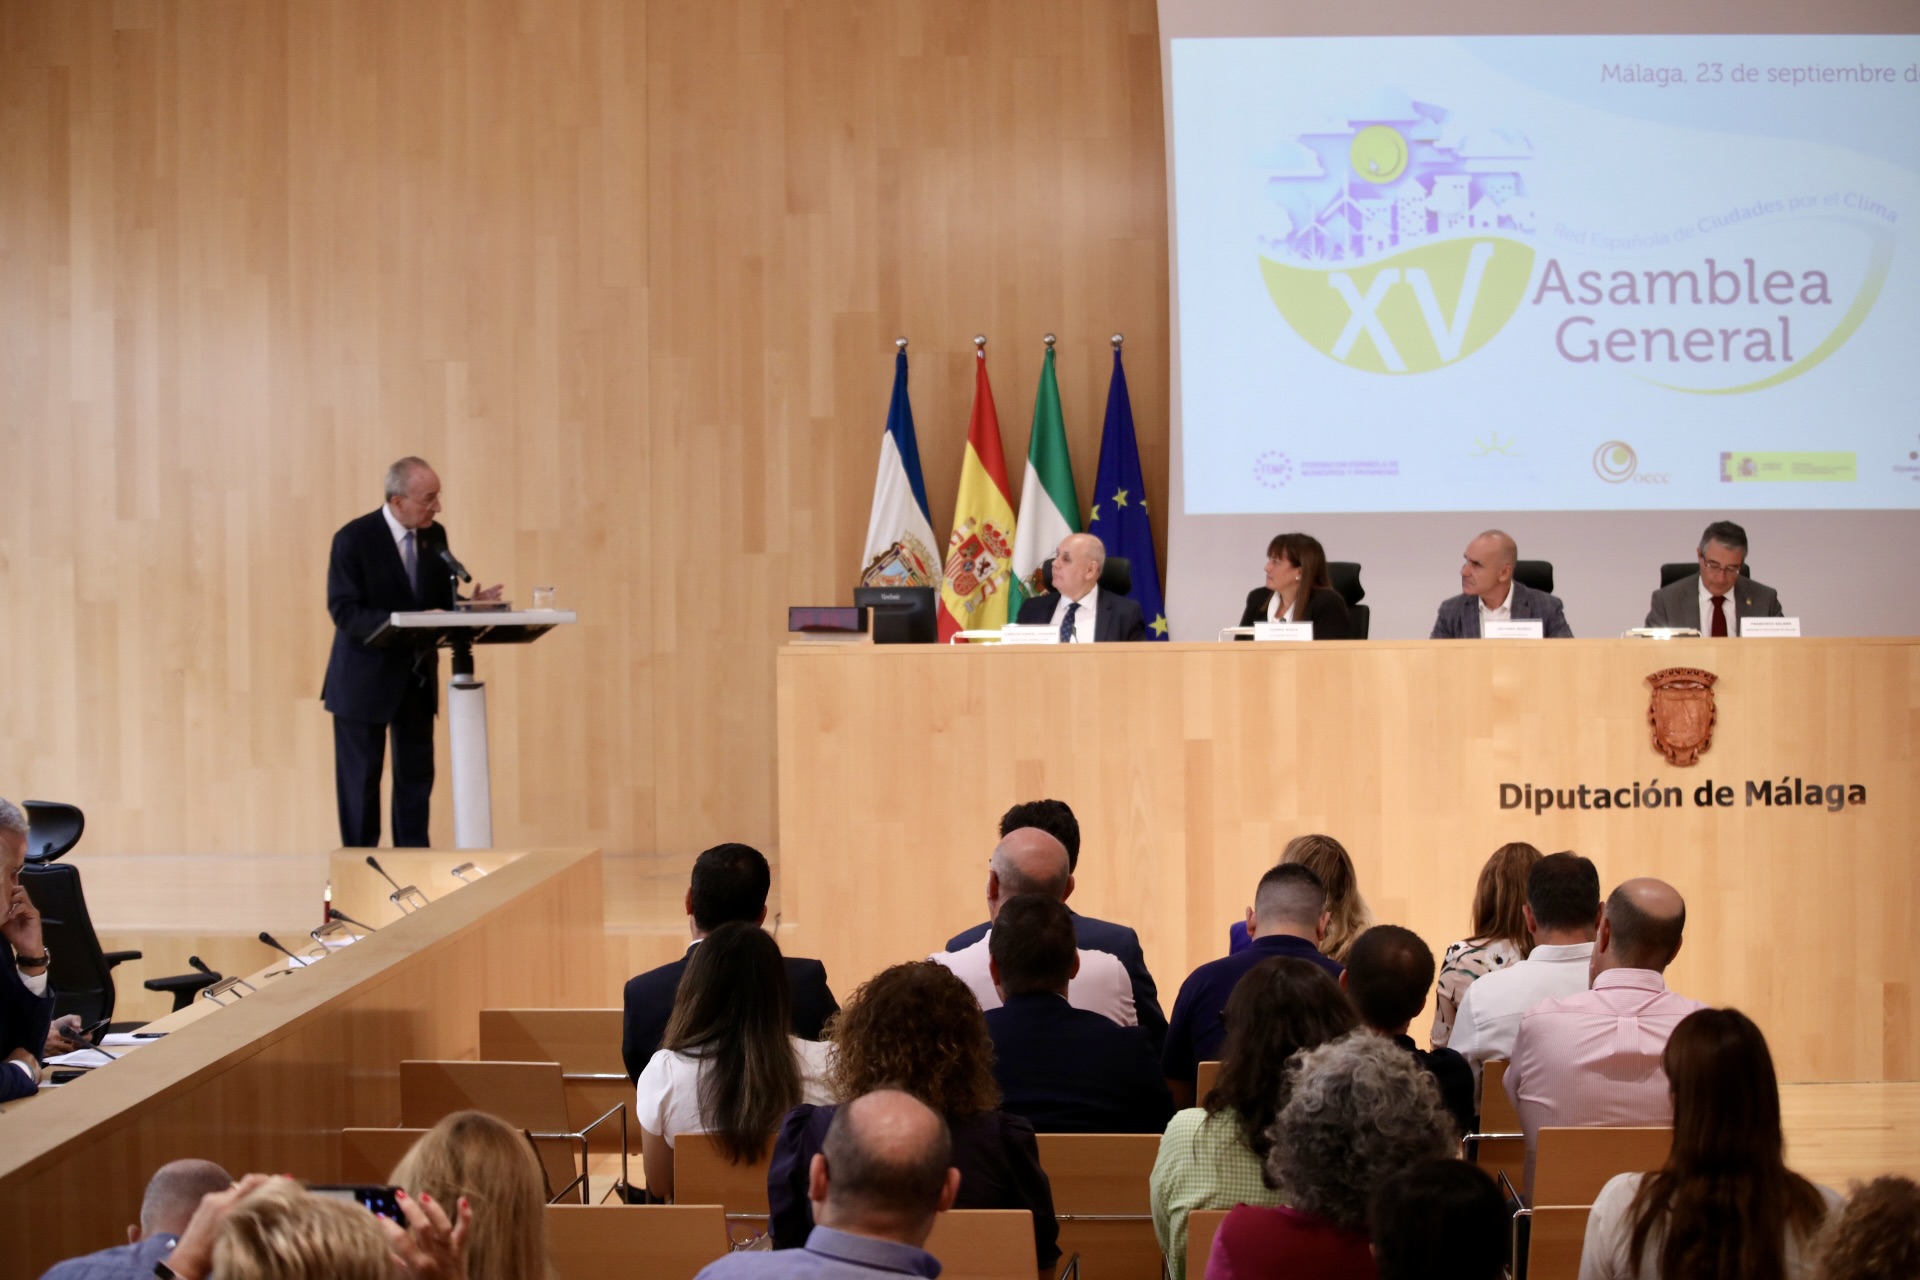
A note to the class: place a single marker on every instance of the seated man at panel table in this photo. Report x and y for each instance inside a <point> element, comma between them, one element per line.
<point>1594,1058</point>
<point>1064,1069</point>
<point>1057,820</point>
<point>173,1193</point>
<point>1488,593</point>
<point>1076,606</point>
<point>729,884</point>
<point>1563,915</point>
<point>1717,593</point>
<point>26,1006</point>
<point>1288,918</point>
<point>1388,972</point>
<point>882,1176</point>
<point>1028,860</point>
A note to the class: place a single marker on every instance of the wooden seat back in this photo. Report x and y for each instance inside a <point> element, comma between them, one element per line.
<point>1497,1113</point>
<point>1495,1156</point>
<point>1101,1197</point>
<point>586,1044</point>
<point>369,1155</point>
<point>1571,1165</point>
<point>527,1095</point>
<point>1202,1226</point>
<point>701,1175</point>
<point>659,1241</point>
<point>1554,1241</point>
<point>1203,1081</point>
<point>984,1244</point>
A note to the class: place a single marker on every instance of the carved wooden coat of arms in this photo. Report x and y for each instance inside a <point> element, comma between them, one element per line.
<point>1682,713</point>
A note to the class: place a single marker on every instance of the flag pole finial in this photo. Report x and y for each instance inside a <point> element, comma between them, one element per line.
<point>900,342</point>
<point>1117,339</point>
<point>1049,340</point>
<point>980,345</point>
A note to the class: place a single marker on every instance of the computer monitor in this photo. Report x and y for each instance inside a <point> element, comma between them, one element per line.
<point>899,615</point>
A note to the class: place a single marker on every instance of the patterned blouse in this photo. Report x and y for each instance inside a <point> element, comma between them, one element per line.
<point>1202,1165</point>
<point>1464,962</point>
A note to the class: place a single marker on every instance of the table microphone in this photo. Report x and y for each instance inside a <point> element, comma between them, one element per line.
<point>334,913</point>
<point>299,962</point>
<point>375,864</point>
<point>201,965</point>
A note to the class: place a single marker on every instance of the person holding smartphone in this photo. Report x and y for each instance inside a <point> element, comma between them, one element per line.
<point>26,1005</point>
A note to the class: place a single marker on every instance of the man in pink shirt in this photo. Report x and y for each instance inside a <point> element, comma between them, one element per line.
<point>1593,1059</point>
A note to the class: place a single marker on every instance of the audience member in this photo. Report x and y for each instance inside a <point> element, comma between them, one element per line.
<point>916,1027</point>
<point>1876,1236</point>
<point>1388,969</point>
<point>477,1158</point>
<point>1057,820</point>
<point>1288,918</point>
<point>26,1006</point>
<point>1500,935</point>
<point>882,1174</point>
<point>1594,1058</point>
<point>1360,1110</point>
<point>173,1193</point>
<point>728,1065</point>
<point>1563,915</point>
<point>729,885</point>
<point>1724,1206</point>
<point>1214,1156</point>
<point>1065,1069</point>
<point>1440,1220</point>
<point>1347,913</point>
<point>265,1228</point>
<point>1029,860</point>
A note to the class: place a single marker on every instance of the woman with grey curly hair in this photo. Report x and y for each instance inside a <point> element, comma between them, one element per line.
<point>1361,1107</point>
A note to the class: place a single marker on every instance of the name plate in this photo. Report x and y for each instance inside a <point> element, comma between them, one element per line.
<point>1033,633</point>
<point>1282,631</point>
<point>1756,627</point>
<point>1515,629</point>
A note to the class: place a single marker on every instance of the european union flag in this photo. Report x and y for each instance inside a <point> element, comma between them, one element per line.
<point>1119,517</point>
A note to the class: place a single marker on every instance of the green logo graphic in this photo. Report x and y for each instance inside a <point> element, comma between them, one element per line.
<point>1414,312</point>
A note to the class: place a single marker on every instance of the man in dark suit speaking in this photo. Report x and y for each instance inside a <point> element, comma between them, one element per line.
<point>1083,613</point>
<point>1488,593</point>
<point>388,561</point>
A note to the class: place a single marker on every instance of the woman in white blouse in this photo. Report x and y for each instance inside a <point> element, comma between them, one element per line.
<point>1724,1206</point>
<point>1500,935</point>
<point>727,1065</point>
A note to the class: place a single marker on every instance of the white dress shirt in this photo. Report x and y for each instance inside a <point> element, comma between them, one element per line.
<point>1489,1016</point>
<point>1083,620</point>
<point>400,532</point>
<point>1607,1252</point>
<point>1503,614</point>
<point>667,1098</point>
<point>1706,610</point>
<point>1273,609</point>
<point>1102,985</point>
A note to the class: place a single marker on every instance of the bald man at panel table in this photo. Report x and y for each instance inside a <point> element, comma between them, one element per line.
<point>1076,606</point>
<point>1488,593</point>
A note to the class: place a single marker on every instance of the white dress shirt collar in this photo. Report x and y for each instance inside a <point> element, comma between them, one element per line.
<point>1082,620</point>
<point>1706,609</point>
<point>1503,614</point>
<point>394,527</point>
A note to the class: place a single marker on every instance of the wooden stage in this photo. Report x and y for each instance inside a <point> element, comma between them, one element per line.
<point>1191,765</point>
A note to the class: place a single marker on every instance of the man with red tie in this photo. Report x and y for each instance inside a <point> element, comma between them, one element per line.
<point>1713,600</point>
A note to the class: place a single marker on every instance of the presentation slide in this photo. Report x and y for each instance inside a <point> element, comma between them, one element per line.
<point>1547,273</point>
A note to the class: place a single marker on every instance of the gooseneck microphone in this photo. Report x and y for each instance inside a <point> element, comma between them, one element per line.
<point>375,864</point>
<point>335,913</point>
<point>298,961</point>
<point>459,570</point>
<point>201,966</point>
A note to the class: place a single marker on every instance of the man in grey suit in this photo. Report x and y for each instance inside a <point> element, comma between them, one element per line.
<point>1489,594</point>
<point>1717,593</point>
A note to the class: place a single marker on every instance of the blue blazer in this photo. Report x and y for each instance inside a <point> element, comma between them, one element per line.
<point>1118,941</point>
<point>24,1019</point>
<point>366,581</point>
<point>1459,617</point>
<point>1070,1070</point>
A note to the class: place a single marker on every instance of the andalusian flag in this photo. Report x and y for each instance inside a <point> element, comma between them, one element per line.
<point>973,592</point>
<point>899,551</point>
<point>1049,509</point>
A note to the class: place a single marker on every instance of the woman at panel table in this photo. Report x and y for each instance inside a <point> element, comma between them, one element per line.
<point>1298,589</point>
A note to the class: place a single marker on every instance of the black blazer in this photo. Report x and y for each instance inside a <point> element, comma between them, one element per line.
<point>1070,1070</point>
<point>366,581</point>
<point>649,1003</point>
<point>1116,940</point>
<point>1118,617</point>
<point>1326,610</point>
<point>24,1018</point>
<point>1455,1078</point>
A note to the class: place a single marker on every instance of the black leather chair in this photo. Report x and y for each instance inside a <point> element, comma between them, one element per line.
<point>1672,573</point>
<point>1537,574</point>
<point>1116,574</point>
<point>1345,576</point>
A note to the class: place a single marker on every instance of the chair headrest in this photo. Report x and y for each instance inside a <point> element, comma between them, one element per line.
<point>54,828</point>
<point>1537,574</point>
<point>1345,576</point>
<point>1116,575</point>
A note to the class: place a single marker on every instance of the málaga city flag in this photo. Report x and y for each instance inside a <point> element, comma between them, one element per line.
<point>973,591</point>
<point>1049,509</point>
<point>1119,517</point>
<point>900,542</point>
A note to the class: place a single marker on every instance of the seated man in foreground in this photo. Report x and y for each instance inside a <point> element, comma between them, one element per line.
<point>1064,1069</point>
<point>1388,972</point>
<point>729,884</point>
<point>173,1193</point>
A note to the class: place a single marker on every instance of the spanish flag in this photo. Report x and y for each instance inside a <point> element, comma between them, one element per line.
<point>973,590</point>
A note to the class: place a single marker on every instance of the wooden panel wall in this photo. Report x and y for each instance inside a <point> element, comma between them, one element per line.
<point>628,273</point>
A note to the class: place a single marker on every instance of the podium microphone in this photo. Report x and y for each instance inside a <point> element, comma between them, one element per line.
<point>298,961</point>
<point>201,966</point>
<point>344,918</point>
<point>375,864</point>
<point>459,570</point>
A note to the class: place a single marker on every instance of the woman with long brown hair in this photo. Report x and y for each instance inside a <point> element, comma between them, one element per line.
<point>728,1065</point>
<point>1724,1206</point>
<point>1500,936</point>
<point>1298,589</point>
<point>473,1156</point>
<point>916,1027</point>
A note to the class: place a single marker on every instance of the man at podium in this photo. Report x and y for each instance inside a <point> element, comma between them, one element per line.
<point>387,561</point>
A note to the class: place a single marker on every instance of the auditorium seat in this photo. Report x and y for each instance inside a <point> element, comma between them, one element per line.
<point>984,1244</point>
<point>527,1095</point>
<point>586,1044</point>
<point>1202,1226</point>
<point>1345,576</point>
<point>1672,573</point>
<point>701,1175</point>
<point>1101,1197</point>
<point>658,1241</point>
<point>1555,1236</point>
<point>1571,1165</point>
<point>1203,1077</point>
<point>369,1155</point>
<point>1497,1114</point>
<point>1537,574</point>
<point>1494,1154</point>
